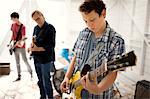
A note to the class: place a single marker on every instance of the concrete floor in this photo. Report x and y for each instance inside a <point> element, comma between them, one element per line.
<point>27,88</point>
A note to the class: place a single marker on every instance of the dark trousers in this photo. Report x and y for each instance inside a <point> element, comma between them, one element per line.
<point>44,83</point>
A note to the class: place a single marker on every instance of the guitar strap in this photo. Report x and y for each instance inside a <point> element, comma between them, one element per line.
<point>81,65</point>
<point>38,36</point>
<point>87,51</point>
<point>41,32</point>
<point>90,56</point>
<point>18,34</point>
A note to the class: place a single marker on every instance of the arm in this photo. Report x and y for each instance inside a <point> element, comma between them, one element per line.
<point>107,82</point>
<point>11,36</point>
<point>9,43</point>
<point>35,48</point>
<point>49,43</point>
<point>95,88</point>
<point>65,82</point>
<point>44,42</point>
<point>71,68</point>
<point>23,32</point>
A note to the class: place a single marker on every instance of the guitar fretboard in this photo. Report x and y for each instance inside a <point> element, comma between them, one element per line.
<point>118,63</point>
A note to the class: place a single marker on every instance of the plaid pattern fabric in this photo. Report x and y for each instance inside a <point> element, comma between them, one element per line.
<point>112,46</point>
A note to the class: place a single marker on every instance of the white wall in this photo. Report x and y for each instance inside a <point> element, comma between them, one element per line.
<point>129,17</point>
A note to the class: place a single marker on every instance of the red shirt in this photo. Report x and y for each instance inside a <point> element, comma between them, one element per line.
<point>14,28</point>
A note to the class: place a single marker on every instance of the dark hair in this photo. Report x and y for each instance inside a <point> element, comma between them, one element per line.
<point>14,15</point>
<point>89,5</point>
<point>36,11</point>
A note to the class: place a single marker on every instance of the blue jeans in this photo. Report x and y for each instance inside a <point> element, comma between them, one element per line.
<point>44,83</point>
<point>84,94</point>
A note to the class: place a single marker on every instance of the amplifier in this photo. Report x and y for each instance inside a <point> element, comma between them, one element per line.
<point>142,90</point>
<point>4,68</point>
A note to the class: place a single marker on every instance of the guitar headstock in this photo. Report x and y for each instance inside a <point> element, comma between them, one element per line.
<point>34,39</point>
<point>119,63</point>
<point>126,60</point>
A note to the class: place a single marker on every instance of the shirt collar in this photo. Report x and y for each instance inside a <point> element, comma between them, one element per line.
<point>45,23</point>
<point>105,36</point>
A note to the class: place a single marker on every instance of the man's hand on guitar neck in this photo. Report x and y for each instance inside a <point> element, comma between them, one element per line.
<point>91,86</point>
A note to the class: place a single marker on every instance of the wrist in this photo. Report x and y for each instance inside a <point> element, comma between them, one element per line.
<point>67,78</point>
<point>95,90</point>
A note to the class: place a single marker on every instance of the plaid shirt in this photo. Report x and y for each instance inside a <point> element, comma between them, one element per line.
<point>112,46</point>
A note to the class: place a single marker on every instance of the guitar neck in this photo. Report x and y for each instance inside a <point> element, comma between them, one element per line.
<point>126,60</point>
<point>101,70</point>
<point>95,73</point>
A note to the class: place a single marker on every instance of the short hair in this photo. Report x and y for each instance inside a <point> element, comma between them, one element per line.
<point>36,11</point>
<point>14,15</point>
<point>89,5</point>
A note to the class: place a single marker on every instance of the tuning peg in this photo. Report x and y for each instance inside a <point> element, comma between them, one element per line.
<point>127,63</point>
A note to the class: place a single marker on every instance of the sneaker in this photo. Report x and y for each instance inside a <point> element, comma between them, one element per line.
<point>17,79</point>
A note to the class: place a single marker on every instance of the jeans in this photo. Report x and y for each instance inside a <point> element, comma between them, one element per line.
<point>21,51</point>
<point>44,83</point>
<point>84,94</point>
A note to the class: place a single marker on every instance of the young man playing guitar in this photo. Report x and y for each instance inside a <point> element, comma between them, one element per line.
<point>97,33</point>
<point>18,37</point>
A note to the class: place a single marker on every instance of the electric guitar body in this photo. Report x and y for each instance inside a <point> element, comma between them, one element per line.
<point>19,43</point>
<point>32,45</point>
<point>77,90</point>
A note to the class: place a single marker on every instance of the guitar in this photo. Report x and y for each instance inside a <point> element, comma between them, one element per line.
<point>32,45</point>
<point>75,87</point>
<point>19,43</point>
